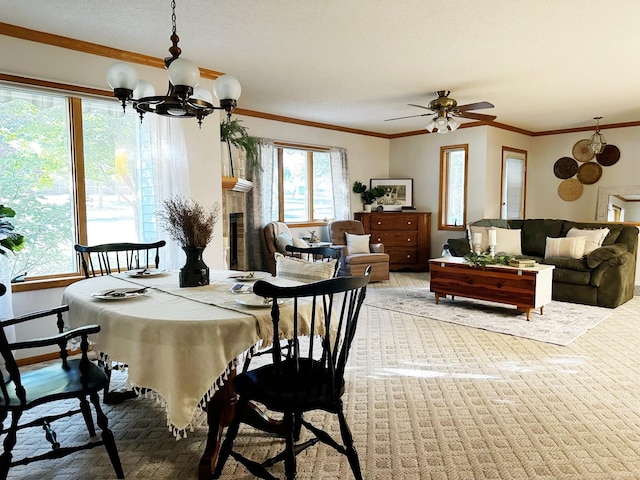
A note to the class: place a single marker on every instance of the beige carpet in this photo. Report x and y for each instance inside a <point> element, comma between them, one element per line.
<point>434,400</point>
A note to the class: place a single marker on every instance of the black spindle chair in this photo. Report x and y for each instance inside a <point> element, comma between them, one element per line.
<point>309,377</point>
<point>68,379</point>
<point>118,257</point>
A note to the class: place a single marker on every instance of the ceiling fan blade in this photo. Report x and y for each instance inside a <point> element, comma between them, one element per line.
<point>474,106</point>
<point>477,116</point>
<point>410,116</point>
<point>419,106</point>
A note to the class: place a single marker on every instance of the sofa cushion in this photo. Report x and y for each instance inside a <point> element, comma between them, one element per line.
<point>483,231</point>
<point>611,238</point>
<point>578,264</point>
<point>572,247</point>
<point>535,232</point>
<point>604,254</point>
<point>575,277</point>
<point>593,237</point>
<point>366,258</point>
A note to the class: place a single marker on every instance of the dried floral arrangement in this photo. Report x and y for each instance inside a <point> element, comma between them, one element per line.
<point>187,222</point>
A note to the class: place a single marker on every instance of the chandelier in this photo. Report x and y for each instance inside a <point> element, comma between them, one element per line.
<point>442,123</point>
<point>184,98</point>
<point>597,141</point>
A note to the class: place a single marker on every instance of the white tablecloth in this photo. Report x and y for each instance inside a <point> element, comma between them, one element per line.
<point>179,342</point>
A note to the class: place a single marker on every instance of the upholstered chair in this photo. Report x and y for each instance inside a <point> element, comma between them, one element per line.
<point>273,239</point>
<point>356,251</point>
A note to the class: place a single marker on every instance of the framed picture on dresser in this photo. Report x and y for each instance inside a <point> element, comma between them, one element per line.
<point>398,191</point>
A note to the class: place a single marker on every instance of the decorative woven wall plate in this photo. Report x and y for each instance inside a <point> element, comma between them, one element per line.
<point>589,173</point>
<point>570,189</point>
<point>565,167</point>
<point>582,151</point>
<point>609,156</point>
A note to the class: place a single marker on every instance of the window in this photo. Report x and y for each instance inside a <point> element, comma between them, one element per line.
<point>303,187</point>
<point>514,172</point>
<point>75,171</point>
<point>453,187</point>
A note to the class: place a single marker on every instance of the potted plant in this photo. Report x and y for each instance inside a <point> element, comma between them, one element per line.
<point>367,196</point>
<point>189,224</point>
<point>234,134</point>
<point>10,241</point>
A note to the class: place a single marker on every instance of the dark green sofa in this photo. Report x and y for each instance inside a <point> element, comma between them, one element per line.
<point>605,277</point>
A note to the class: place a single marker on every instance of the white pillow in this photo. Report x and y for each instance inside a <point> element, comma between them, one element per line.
<point>282,241</point>
<point>572,247</point>
<point>593,237</point>
<point>300,243</point>
<point>303,271</point>
<point>358,243</point>
<point>508,241</point>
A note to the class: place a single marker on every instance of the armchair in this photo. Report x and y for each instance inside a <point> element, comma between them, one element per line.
<point>354,261</point>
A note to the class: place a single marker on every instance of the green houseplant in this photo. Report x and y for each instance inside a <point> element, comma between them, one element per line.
<point>367,196</point>
<point>234,134</point>
<point>10,241</point>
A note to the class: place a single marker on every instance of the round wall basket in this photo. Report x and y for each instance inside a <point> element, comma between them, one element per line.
<point>565,167</point>
<point>609,156</point>
<point>589,173</point>
<point>570,189</point>
<point>582,151</point>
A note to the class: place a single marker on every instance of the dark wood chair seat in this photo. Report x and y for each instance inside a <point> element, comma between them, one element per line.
<point>306,375</point>
<point>68,379</point>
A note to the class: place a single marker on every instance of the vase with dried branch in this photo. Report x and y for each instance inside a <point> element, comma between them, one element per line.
<point>192,226</point>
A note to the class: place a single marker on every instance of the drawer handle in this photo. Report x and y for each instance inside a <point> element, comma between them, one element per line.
<point>408,223</point>
<point>379,223</point>
<point>379,240</point>
<point>408,240</point>
<point>408,256</point>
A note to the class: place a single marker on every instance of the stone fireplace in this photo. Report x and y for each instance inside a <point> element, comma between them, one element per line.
<point>233,228</point>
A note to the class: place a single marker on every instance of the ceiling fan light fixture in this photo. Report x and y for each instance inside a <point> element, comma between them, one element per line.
<point>431,125</point>
<point>184,99</point>
<point>597,141</point>
<point>453,124</point>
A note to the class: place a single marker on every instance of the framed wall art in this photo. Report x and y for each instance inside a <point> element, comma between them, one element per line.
<point>398,191</point>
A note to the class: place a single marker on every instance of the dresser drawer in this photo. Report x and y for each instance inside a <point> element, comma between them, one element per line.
<point>395,239</point>
<point>394,221</point>
<point>397,255</point>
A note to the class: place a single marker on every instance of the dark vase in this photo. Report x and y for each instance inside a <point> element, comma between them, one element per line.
<point>195,272</point>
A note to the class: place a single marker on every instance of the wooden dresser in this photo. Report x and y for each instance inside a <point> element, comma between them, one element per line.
<point>406,237</point>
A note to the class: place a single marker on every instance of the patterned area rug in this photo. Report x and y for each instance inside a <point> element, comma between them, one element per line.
<point>560,324</point>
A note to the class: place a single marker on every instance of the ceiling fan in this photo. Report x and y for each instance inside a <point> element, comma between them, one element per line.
<point>446,109</point>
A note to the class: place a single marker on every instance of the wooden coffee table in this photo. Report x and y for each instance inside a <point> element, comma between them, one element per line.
<point>526,288</point>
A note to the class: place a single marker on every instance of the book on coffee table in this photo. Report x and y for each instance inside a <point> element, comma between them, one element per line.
<point>522,262</point>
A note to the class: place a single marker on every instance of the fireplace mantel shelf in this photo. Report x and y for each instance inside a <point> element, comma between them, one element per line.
<point>236,184</point>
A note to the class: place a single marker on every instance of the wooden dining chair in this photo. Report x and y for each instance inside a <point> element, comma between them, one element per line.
<point>309,377</point>
<point>65,380</point>
<point>118,257</point>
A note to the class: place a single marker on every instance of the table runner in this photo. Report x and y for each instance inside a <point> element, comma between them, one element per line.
<point>179,342</point>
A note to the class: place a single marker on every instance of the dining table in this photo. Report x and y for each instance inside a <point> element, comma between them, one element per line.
<point>182,344</point>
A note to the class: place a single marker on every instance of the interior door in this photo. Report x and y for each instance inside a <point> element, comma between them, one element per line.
<point>514,174</point>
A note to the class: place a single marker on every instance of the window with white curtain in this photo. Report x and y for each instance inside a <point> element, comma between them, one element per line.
<point>514,170</point>
<point>453,187</point>
<point>80,170</point>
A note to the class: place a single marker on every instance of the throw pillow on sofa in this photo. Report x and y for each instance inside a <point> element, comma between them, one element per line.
<point>282,241</point>
<point>484,236</point>
<point>572,247</point>
<point>593,237</point>
<point>508,241</point>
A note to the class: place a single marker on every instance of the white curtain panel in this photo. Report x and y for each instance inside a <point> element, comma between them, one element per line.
<point>340,176</point>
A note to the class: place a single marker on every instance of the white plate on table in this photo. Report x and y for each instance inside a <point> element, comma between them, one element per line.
<point>144,272</point>
<point>256,301</point>
<point>250,276</point>
<point>119,293</point>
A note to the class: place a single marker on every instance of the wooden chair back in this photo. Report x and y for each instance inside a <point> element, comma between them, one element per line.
<point>118,257</point>
<point>315,254</point>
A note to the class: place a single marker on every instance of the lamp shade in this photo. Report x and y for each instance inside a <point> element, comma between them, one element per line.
<point>453,124</point>
<point>122,75</point>
<point>144,89</point>
<point>430,126</point>
<point>227,87</point>
<point>184,73</point>
<point>201,93</point>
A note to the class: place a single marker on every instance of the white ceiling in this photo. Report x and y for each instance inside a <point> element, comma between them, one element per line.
<point>544,64</point>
